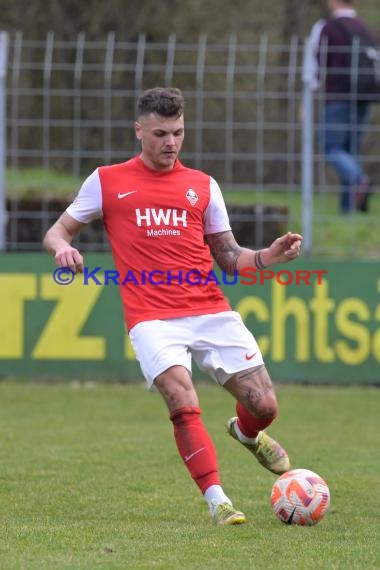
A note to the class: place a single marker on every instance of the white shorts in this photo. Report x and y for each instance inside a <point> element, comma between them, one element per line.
<point>220,344</point>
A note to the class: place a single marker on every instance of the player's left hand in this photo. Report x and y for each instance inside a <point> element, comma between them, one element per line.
<point>285,248</point>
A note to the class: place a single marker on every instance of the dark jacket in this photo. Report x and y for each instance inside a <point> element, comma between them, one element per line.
<point>334,54</point>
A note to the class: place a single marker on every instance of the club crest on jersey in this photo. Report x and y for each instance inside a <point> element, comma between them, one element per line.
<point>192,196</point>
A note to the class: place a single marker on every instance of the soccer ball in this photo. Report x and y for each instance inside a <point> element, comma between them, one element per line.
<point>300,497</point>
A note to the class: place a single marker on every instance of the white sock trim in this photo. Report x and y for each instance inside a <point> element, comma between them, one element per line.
<point>214,496</point>
<point>243,438</point>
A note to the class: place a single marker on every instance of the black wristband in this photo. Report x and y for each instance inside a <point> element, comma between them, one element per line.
<point>258,262</point>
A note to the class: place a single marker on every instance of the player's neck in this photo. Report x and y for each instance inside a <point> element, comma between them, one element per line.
<point>156,166</point>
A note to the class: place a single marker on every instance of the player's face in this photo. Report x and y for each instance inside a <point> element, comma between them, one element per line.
<point>161,140</point>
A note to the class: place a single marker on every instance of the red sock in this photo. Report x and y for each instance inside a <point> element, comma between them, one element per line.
<point>248,424</point>
<point>195,446</point>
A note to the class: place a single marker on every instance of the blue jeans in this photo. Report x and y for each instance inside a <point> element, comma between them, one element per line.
<point>341,134</point>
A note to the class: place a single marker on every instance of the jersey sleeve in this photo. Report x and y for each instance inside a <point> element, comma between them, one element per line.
<point>87,204</point>
<point>216,216</point>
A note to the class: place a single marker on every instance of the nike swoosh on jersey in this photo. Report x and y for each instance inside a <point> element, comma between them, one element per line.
<point>120,195</point>
<point>250,356</point>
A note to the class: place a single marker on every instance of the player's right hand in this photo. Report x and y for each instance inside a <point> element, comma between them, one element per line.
<point>69,257</point>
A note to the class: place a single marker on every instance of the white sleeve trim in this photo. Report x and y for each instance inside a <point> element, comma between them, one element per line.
<point>87,204</point>
<point>216,216</point>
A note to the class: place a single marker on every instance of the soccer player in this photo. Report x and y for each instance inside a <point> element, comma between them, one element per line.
<point>163,217</point>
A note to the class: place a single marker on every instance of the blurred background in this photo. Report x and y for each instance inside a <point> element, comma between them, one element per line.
<point>71,76</point>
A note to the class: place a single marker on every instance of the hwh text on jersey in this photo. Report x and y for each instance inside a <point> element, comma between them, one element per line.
<point>169,217</point>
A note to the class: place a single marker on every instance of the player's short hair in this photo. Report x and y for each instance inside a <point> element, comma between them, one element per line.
<point>164,101</point>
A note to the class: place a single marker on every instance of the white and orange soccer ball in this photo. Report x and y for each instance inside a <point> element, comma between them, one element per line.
<point>300,497</point>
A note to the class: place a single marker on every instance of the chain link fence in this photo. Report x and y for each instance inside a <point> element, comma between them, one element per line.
<point>70,106</point>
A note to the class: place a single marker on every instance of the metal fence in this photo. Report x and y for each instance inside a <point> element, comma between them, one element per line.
<point>70,106</point>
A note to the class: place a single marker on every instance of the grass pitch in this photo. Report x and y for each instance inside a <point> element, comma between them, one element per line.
<point>90,479</point>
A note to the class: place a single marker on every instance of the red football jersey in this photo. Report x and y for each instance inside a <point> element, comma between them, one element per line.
<point>155,222</point>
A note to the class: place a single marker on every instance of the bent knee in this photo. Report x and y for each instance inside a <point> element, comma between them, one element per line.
<point>268,411</point>
<point>265,408</point>
<point>176,387</point>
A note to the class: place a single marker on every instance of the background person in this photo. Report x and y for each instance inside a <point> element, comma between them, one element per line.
<point>158,214</point>
<point>344,114</point>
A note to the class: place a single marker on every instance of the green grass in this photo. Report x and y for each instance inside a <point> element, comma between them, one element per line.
<point>334,235</point>
<point>36,182</point>
<point>90,478</point>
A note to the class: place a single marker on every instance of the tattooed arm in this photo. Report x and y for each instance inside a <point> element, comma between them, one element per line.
<point>230,256</point>
<point>227,253</point>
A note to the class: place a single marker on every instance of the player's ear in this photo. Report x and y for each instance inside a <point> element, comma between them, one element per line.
<point>138,130</point>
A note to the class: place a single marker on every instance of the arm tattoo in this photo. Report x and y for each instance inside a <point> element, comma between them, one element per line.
<point>225,250</point>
